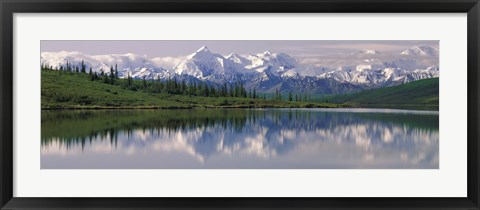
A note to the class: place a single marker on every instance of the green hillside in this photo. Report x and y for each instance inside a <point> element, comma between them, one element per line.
<point>417,94</point>
<point>66,90</point>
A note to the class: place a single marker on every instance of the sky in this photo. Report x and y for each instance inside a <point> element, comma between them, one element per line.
<point>174,48</point>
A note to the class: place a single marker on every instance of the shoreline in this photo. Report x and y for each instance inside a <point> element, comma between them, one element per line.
<point>191,107</point>
<point>308,106</point>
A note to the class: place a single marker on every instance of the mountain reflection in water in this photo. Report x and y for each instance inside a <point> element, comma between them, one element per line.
<point>240,139</point>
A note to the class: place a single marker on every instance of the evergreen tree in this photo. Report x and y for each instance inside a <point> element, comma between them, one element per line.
<point>237,90</point>
<point>106,79</point>
<point>161,87</point>
<point>90,73</point>
<point>116,71</point>
<point>191,89</point>
<point>224,90</point>
<point>213,92</point>
<point>231,93</point>
<point>195,88</point>
<point>243,92</point>
<point>183,88</point>
<point>83,67</point>
<point>129,79</point>
<point>112,75</point>
<point>175,86</point>
<point>206,90</point>
<point>144,82</point>
<point>198,89</point>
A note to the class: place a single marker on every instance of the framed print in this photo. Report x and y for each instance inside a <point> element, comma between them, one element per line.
<point>239,105</point>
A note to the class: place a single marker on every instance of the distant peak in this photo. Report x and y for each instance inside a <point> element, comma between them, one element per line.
<point>202,51</point>
<point>234,55</point>
<point>366,52</point>
<point>203,48</point>
<point>267,52</point>
<point>369,51</point>
<point>421,50</point>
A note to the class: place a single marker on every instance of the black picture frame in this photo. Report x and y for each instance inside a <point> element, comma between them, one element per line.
<point>9,7</point>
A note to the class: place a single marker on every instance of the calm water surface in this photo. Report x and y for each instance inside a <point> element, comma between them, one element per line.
<point>240,139</point>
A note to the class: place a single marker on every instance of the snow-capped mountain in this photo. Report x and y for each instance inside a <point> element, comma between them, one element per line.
<point>205,65</point>
<point>421,50</point>
<point>366,76</point>
<point>238,59</point>
<point>127,64</point>
<point>267,71</point>
<point>366,52</point>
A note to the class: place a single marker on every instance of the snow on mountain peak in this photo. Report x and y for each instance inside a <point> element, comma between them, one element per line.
<point>366,52</point>
<point>204,63</point>
<point>203,53</point>
<point>421,50</point>
<point>364,67</point>
<point>233,56</point>
<point>267,52</point>
<point>203,48</point>
<point>238,59</point>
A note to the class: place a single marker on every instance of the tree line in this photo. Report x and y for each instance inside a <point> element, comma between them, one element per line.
<point>168,86</point>
<point>172,86</point>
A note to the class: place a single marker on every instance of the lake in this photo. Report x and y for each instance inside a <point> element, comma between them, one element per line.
<point>240,139</point>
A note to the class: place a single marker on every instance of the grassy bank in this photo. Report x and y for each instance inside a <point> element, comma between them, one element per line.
<point>421,94</point>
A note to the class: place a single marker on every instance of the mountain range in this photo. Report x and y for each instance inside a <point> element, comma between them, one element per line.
<point>268,72</point>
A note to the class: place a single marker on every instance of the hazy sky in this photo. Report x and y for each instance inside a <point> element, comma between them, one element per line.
<point>225,47</point>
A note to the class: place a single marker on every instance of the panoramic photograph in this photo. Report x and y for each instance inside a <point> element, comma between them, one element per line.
<point>239,104</point>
